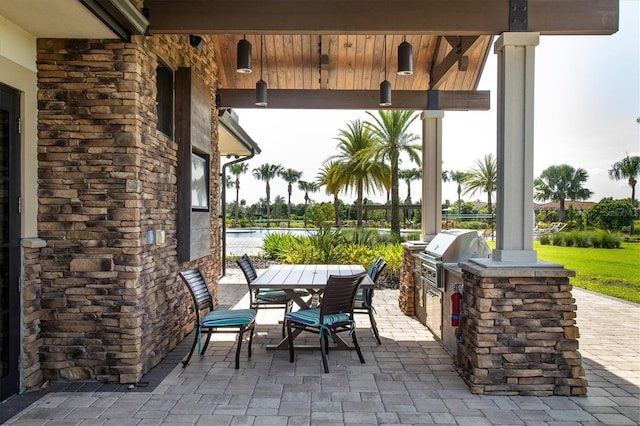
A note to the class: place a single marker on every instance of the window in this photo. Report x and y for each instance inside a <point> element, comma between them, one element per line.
<point>164,100</point>
<point>199,182</point>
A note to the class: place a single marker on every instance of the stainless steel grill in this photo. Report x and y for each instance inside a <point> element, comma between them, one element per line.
<point>451,246</point>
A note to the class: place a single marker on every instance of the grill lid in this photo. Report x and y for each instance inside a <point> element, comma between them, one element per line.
<point>457,245</point>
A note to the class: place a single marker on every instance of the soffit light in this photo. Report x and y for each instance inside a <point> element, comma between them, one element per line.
<point>244,57</point>
<point>261,85</point>
<point>405,58</point>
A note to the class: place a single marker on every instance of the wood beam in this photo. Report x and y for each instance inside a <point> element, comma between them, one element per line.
<point>460,46</point>
<point>359,99</point>
<point>432,17</point>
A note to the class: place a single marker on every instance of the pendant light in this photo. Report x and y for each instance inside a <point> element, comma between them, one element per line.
<point>261,85</point>
<point>385,86</point>
<point>405,58</point>
<point>244,57</point>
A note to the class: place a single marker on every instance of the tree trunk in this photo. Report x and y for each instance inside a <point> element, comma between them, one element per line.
<point>633,204</point>
<point>336,209</point>
<point>359,206</point>
<point>289,208</point>
<point>268,203</point>
<point>395,197</point>
<point>237,199</point>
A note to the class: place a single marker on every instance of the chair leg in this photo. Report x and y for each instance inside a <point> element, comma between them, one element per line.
<point>206,342</point>
<point>357,346</point>
<point>193,348</point>
<point>287,308</point>
<point>324,345</point>
<point>374,326</point>
<point>239,346</point>
<point>251,330</point>
<point>290,339</point>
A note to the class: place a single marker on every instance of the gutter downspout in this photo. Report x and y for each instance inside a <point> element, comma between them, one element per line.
<point>223,196</point>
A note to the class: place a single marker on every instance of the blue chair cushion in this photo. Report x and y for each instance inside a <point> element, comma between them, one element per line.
<point>269,295</point>
<point>228,318</point>
<point>311,317</point>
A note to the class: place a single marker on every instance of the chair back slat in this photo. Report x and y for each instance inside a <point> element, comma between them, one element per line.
<point>198,287</point>
<point>247,268</point>
<point>339,294</point>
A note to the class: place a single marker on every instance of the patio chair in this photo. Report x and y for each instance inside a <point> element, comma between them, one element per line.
<point>215,321</point>
<point>335,315</point>
<point>263,298</point>
<point>364,297</point>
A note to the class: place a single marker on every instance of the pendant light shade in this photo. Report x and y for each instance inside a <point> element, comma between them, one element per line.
<point>261,93</point>
<point>261,85</point>
<point>405,58</point>
<point>385,93</point>
<point>244,57</point>
<point>385,86</point>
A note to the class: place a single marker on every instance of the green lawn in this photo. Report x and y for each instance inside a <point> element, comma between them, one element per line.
<point>615,272</point>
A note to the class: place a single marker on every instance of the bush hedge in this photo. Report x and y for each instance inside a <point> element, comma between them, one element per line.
<point>597,238</point>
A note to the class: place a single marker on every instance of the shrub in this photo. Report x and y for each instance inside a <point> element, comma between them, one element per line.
<point>277,245</point>
<point>545,239</point>
<point>604,239</point>
<point>610,214</point>
<point>598,239</point>
<point>577,239</point>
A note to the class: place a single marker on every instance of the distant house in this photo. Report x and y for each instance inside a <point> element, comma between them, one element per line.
<point>555,205</point>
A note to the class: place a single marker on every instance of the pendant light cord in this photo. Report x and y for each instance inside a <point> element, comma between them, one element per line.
<point>261,53</point>
<point>385,56</point>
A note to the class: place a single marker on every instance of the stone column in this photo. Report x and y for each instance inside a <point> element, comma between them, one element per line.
<point>431,173</point>
<point>514,209</point>
<point>517,333</point>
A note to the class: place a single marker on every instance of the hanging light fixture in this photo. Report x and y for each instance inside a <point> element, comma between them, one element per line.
<point>244,57</point>
<point>261,85</point>
<point>405,58</point>
<point>385,86</point>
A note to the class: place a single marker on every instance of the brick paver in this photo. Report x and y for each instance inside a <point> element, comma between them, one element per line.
<point>409,379</point>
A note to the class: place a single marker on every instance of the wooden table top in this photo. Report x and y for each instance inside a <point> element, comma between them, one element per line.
<point>305,276</point>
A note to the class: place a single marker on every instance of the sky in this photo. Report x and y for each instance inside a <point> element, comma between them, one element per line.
<point>587,115</point>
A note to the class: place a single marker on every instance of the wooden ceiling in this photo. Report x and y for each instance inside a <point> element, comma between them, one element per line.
<point>331,53</point>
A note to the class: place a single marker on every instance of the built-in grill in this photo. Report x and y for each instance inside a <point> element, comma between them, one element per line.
<point>448,247</point>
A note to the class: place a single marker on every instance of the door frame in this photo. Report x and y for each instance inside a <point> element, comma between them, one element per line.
<point>10,384</point>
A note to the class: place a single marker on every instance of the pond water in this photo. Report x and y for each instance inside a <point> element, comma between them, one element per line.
<point>262,232</point>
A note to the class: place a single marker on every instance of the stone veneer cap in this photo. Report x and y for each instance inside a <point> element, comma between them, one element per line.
<point>491,268</point>
<point>34,243</point>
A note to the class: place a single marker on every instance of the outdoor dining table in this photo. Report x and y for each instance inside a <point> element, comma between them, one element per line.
<point>312,278</point>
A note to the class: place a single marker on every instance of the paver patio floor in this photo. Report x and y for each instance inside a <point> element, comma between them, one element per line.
<point>409,379</point>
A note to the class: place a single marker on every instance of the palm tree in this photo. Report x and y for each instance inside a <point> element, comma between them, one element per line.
<point>290,176</point>
<point>329,177</point>
<point>483,178</point>
<point>390,129</point>
<point>458,177</point>
<point>352,170</point>
<point>558,183</point>
<point>307,187</point>
<point>266,172</point>
<point>409,175</point>
<point>627,168</point>
<point>238,169</point>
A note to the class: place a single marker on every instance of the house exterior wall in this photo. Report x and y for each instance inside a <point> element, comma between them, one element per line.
<point>112,305</point>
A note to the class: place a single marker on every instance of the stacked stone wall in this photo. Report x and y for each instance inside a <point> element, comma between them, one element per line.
<point>518,333</point>
<point>31,303</point>
<point>112,305</point>
<point>407,284</point>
